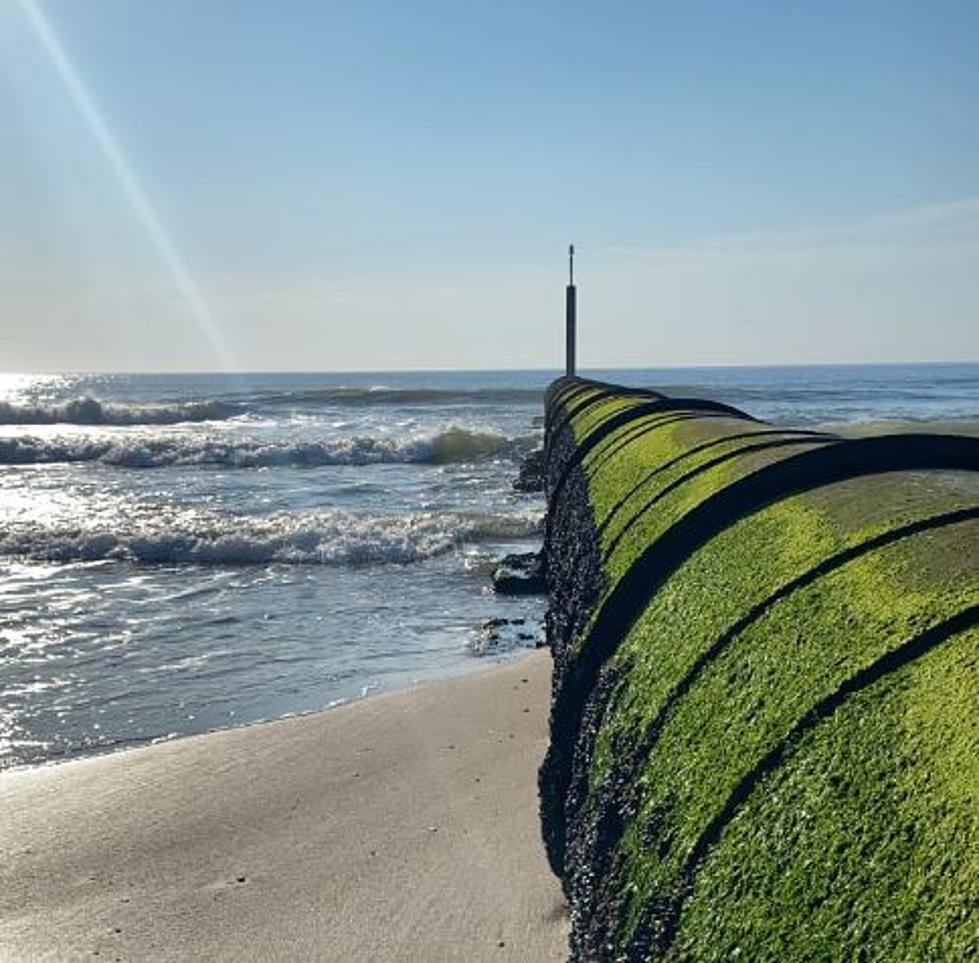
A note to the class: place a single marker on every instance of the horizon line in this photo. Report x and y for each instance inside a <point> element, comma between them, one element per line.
<point>474,370</point>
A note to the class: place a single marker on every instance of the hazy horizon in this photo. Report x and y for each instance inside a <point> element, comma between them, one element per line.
<point>583,371</point>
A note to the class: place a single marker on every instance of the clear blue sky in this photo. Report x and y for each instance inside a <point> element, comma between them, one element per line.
<point>281,185</point>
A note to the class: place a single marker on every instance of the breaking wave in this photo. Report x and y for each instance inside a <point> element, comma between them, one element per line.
<point>446,447</point>
<point>89,411</point>
<point>320,538</point>
<point>409,397</point>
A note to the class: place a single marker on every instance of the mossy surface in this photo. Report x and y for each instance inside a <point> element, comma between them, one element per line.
<point>863,846</point>
<point>680,488</point>
<point>592,416</point>
<point>741,568</point>
<point>615,469</point>
<point>747,699</point>
<point>711,811</point>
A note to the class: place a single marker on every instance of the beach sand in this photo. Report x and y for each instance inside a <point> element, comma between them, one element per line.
<point>403,827</point>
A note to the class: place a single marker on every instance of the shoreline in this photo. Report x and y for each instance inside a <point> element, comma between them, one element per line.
<point>403,826</point>
<point>476,665</point>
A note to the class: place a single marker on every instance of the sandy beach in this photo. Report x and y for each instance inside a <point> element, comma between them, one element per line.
<point>403,827</point>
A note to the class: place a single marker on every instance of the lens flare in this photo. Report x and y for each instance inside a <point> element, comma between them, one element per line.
<point>128,181</point>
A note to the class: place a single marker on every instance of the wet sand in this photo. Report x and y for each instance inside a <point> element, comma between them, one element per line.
<point>403,827</point>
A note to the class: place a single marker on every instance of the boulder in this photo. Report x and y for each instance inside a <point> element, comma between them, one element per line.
<point>501,635</point>
<point>521,574</point>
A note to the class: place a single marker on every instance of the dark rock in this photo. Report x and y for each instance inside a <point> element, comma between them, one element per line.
<point>531,475</point>
<point>501,635</point>
<point>521,574</point>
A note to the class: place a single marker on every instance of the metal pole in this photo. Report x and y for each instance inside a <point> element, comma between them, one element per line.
<point>570,318</point>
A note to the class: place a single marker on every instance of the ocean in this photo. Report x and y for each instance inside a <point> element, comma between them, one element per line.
<point>181,553</point>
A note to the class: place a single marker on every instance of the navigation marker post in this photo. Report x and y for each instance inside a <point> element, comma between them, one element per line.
<point>570,318</point>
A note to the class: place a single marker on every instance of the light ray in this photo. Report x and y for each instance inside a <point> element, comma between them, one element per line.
<point>117,160</point>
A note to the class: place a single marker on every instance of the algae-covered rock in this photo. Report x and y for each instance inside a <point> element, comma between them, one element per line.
<point>523,573</point>
<point>766,695</point>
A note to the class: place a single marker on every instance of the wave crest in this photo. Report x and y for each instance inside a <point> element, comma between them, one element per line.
<point>90,411</point>
<point>381,395</point>
<point>321,538</point>
<point>451,446</point>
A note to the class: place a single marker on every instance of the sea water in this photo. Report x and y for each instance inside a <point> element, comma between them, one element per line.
<point>180,553</point>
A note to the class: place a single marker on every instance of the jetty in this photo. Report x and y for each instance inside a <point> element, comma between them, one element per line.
<point>764,731</point>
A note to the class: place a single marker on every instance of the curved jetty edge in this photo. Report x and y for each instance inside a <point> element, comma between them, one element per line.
<point>765,707</point>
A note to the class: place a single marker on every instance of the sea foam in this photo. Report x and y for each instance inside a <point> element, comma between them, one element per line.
<point>450,446</point>
<point>314,538</point>
<point>89,411</point>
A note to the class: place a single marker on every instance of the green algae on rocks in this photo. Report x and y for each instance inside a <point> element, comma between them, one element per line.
<point>766,710</point>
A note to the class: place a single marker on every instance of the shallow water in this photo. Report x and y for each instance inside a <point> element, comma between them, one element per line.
<point>179,553</point>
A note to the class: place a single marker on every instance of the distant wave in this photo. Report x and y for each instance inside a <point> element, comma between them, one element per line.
<point>92,411</point>
<point>321,538</point>
<point>873,425</point>
<point>381,395</point>
<point>926,398</point>
<point>89,411</point>
<point>446,447</point>
<point>802,394</point>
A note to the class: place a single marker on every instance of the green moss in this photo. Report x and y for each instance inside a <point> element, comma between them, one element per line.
<point>748,698</point>
<point>736,570</point>
<point>595,414</point>
<point>743,566</point>
<point>865,845</point>
<point>633,539</point>
<point>622,436</point>
<point>864,842</point>
<point>623,545</point>
<point>613,473</point>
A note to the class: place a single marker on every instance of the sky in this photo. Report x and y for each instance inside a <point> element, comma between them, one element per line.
<point>387,184</point>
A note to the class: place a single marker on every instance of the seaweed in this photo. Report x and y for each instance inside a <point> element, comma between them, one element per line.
<point>720,597</point>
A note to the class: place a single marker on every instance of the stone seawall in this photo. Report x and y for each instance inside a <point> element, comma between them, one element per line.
<point>765,716</point>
